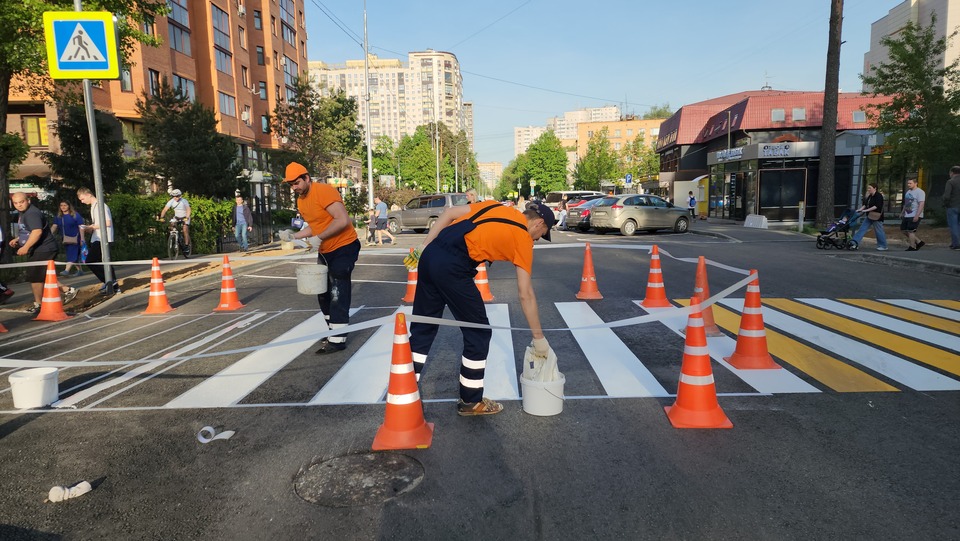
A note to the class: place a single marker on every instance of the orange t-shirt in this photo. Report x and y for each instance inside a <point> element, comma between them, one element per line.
<point>313,209</point>
<point>496,241</point>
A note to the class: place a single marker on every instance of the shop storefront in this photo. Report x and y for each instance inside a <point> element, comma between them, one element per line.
<point>773,180</point>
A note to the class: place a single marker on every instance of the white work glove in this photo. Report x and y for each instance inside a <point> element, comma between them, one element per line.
<point>315,242</point>
<point>286,235</point>
<point>540,347</point>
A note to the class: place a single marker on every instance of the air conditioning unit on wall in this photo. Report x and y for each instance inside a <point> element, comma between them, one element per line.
<point>241,10</point>
<point>245,116</point>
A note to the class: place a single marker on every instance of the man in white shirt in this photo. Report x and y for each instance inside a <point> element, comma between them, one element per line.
<point>913,201</point>
<point>94,247</point>
<point>181,210</point>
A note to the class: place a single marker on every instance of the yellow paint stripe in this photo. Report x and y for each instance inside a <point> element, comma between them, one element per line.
<point>911,316</point>
<point>953,305</point>
<point>906,348</point>
<point>831,372</point>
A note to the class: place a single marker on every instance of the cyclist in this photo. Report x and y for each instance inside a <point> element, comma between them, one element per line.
<point>181,210</point>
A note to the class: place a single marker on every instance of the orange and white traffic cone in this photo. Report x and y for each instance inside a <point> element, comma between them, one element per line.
<point>751,352</point>
<point>701,290</point>
<point>588,279</point>
<point>656,294</point>
<point>411,284</point>
<point>696,405</point>
<point>483,283</point>
<point>2,328</point>
<point>229,300</point>
<point>51,304</point>
<point>403,425</point>
<point>157,302</point>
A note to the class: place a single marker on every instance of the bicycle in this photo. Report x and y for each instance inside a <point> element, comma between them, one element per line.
<point>175,245</point>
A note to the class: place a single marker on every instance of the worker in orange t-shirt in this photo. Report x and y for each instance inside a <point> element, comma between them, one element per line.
<point>329,229</point>
<point>463,237</point>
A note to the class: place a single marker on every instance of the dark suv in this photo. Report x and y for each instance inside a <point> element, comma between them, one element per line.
<point>420,213</point>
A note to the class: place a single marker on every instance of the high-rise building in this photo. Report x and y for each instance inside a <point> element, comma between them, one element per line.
<point>490,173</point>
<point>468,122</point>
<point>917,12</point>
<point>238,58</point>
<point>565,127</point>
<point>523,137</point>
<point>425,89</point>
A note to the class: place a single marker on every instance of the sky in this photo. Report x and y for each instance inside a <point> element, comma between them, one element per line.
<point>524,61</point>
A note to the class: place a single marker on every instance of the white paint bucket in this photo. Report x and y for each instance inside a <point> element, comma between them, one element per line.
<point>542,397</point>
<point>311,279</point>
<point>34,387</point>
<point>287,245</point>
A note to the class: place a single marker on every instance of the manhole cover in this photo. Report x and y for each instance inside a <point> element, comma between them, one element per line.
<point>355,480</point>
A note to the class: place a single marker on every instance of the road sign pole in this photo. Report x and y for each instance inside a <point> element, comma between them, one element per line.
<point>97,178</point>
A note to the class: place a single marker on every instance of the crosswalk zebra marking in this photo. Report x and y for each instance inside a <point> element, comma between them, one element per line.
<point>927,320</point>
<point>923,307</point>
<point>900,326</point>
<point>500,376</point>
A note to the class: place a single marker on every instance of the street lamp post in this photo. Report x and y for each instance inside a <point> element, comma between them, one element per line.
<point>456,165</point>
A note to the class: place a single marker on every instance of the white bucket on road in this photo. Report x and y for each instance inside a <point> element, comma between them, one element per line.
<point>287,245</point>
<point>34,387</point>
<point>542,398</point>
<point>311,279</point>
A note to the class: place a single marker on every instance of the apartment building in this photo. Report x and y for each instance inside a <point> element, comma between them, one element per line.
<point>565,127</point>
<point>619,133</point>
<point>237,57</point>
<point>524,136</point>
<point>490,174</point>
<point>917,12</point>
<point>403,96</point>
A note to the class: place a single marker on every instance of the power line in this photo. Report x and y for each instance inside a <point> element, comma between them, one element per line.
<point>339,24</point>
<point>607,100</point>
<point>489,25</point>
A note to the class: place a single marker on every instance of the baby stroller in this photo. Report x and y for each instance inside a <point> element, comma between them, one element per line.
<point>838,234</point>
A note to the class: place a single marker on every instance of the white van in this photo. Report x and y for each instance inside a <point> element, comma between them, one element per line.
<point>553,198</point>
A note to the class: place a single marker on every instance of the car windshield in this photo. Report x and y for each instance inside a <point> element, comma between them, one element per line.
<point>604,201</point>
<point>591,203</point>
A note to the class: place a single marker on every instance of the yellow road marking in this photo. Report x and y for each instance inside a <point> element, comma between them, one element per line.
<point>905,347</point>
<point>833,373</point>
<point>953,305</point>
<point>906,314</point>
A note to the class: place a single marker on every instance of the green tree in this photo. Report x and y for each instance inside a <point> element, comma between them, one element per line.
<point>73,163</point>
<point>545,163</point>
<point>23,57</point>
<point>658,111</point>
<point>921,119</point>
<point>418,160</point>
<point>638,159</point>
<point>510,177</point>
<point>599,163</point>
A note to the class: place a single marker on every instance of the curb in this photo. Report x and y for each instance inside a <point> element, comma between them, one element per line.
<point>894,261</point>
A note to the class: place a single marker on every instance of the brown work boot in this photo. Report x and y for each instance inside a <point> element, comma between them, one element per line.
<point>484,407</point>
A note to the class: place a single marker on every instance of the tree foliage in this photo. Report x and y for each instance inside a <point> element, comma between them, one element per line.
<point>922,119</point>
<point>599,163</point>
<point>545,163</point>
<point>658,111</point>
<point>184,146</point>
<point>639,159</point>
<point>73,165</point>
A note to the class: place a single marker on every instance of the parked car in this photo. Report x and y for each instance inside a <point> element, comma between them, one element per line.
<point>552,199</point>
<point>630,212</point>
<point>578,217</point>
<point>421,212</point>
<point>577,201</point>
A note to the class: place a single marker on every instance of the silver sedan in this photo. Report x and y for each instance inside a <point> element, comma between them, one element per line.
<point>630,212</point>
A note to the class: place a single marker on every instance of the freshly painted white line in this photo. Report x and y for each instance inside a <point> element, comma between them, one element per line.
<point>213,336</point>
<point>364,378</point>
<point>354,280</point>
<point>764,381</point>
<point>899,326</point>
<point>925,308</point>
<point>620,371</point>
<point>500,377</point>
<point>891,366</point>
<point>236,381</point>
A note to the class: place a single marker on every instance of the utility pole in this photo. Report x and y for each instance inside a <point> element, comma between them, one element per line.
<point>828,132</point>
<point>366,87</point>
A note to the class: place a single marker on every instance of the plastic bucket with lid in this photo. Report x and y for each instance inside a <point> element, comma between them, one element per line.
<point>34,387</point>
<point>542,398</point>
<point>311,279</point>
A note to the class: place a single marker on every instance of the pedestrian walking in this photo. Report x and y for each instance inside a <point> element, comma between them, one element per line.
<point>873,208</point>
<point>951,202</point>
<point>242,223</point>
<point>692,204</point>
<point>381,217</point>
<point>329,228</point>
<point>36,242</point>
<point>67,223</point>
<point>95,246</point>
<point>463,237</point>
<point>912,213</point>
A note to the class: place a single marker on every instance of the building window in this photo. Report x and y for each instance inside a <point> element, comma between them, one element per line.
<point>263,90</point>
<point>777,115</point>
<point>154,82</point>
<point>242,37</point>
<point>246,114</point>
<point>259,55</point>
<point>244,77</point>
<point>799,114</point>
<point>228,105</point>
<point>289,34</point>
<point>179,39</point>
<point>35,130</point>
<point>273,25</point>
<point>629,133</point>
<point>264,124</point>
<point>257,20</point>
<point>126,80</point>
<point>185,87</point>
<point>276,60</point>
<point>149,28</point>
<point>179,12</point>
<point>859,117</point>
<point>221,40</point>
<point>224,62</point>
<point>289,70</point>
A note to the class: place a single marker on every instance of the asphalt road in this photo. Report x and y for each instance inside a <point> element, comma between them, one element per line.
<point>856,437</point>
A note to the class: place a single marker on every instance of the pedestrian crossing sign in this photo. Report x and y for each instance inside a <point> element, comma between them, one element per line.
<point>81,44</point>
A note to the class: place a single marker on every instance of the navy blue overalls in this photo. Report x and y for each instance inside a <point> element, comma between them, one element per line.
<point>445,278</point>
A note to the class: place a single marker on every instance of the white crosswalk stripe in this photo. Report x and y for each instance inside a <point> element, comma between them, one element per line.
<point>898,326</point>
<point>923,307</point>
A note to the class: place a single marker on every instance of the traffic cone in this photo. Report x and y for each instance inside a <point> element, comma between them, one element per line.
<point>2,328</point>
<point>157,302</point>
<point>701,290</point>
<point>588,280</point>
<point>656,295</point>
<point>411,284</point>
<point>229,300</point>
<point>403,424</point>
<point>751,351</point>
<point>696,405</point>
<point>483,283</point>
<point>51,304</point>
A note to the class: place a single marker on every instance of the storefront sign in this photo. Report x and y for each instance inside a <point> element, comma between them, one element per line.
<point>779,150</point>
<point>729,154</point>
<point>765,151</point>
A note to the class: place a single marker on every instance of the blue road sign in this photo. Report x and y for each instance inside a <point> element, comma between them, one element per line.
<point>629,179</point>
<point>81,45</point>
